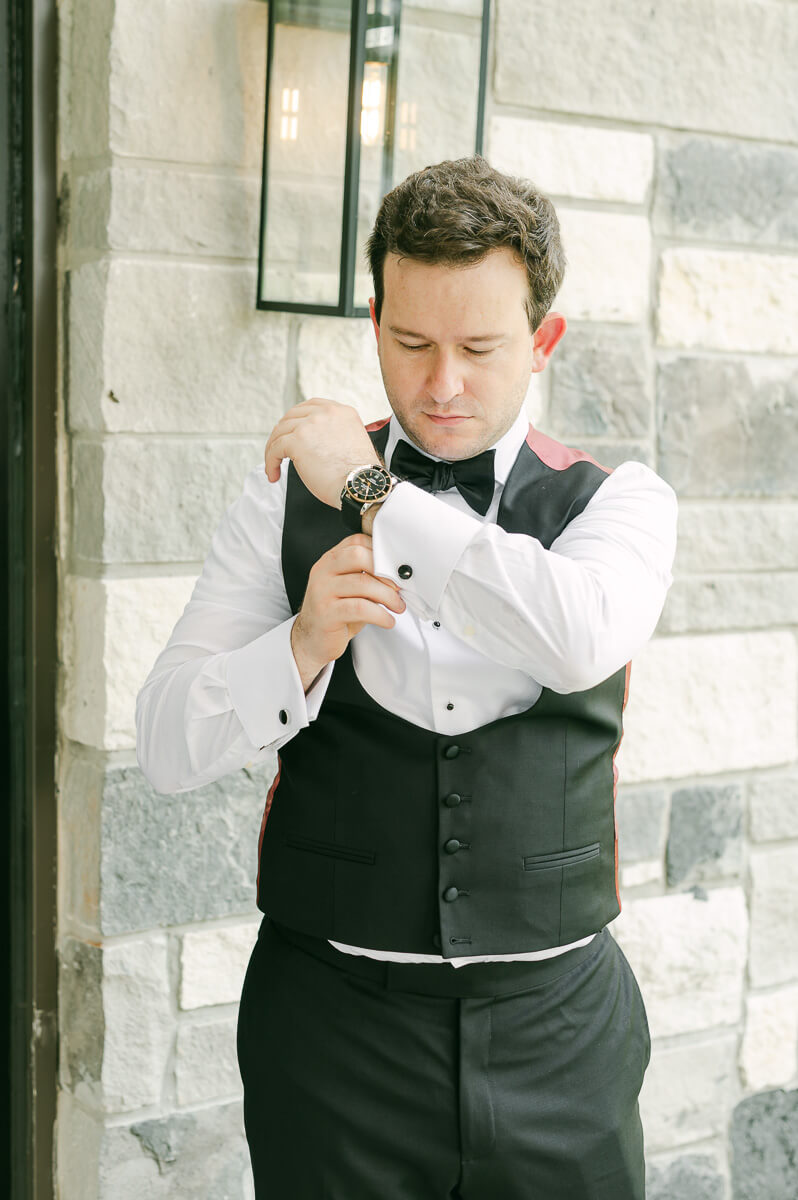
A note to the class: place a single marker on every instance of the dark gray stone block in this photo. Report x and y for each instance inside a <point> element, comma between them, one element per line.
<point>764,1146</point>
<point>705,839</point>
<point>167,860</point>
<point>641,825</point>
<point>81,1015</point>
<point>691,1177</point>
<point>199,1155</point>
<point>600,385</point>
<point>727,190</point>
<point>728,428</point>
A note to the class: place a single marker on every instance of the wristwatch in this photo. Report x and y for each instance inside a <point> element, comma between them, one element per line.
<point>364,487</point>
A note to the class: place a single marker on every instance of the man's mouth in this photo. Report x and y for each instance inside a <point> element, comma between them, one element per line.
<point>448,419</point>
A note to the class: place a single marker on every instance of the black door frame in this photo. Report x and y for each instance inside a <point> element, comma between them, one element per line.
<point>28,606</point>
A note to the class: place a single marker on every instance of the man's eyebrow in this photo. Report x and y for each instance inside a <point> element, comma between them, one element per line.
<point>481,337</point>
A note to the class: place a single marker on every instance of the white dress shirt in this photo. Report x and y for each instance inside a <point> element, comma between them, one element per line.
<point>491,619</point>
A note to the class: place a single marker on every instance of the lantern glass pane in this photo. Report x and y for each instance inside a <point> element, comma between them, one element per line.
<point>306,151</point>
<point>423,64</point>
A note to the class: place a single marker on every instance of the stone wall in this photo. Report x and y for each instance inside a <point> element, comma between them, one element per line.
<point>668,137</point>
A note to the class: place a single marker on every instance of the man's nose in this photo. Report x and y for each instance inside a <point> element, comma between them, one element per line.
<point>445,381</point>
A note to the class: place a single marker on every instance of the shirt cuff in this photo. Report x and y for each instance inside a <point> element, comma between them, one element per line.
<point>266,691</point>
<point>417,542</point>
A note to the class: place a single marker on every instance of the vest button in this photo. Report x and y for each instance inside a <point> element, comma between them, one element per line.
<point>451,752</point>
<point>452,846</point>
<point>452,800</point>
<point>450,894</point>
<point>436,941</point>
<point>404,572</point>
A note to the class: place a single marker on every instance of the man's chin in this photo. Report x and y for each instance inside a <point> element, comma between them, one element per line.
<point>450,444</point>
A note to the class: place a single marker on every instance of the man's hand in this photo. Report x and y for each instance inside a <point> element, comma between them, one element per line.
<point>326,441</point>
<point>341,597</point>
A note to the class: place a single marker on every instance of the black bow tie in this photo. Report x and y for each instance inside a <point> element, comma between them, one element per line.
<point>473,477</point>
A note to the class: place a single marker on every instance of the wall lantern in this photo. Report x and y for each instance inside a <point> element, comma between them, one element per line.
<point>359,93</point>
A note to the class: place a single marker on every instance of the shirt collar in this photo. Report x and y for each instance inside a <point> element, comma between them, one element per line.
<point>506,448</point>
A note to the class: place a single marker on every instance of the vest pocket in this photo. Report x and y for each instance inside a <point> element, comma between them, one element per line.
<point>562,858</point>
<point>330,849</point>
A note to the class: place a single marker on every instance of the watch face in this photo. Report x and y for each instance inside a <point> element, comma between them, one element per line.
<point>372,483</point>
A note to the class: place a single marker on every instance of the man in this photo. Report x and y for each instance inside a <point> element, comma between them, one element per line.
<point>434,1007</point>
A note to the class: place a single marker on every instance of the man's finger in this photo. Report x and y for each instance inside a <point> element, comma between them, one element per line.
<point>369,588</point>
<point>277,448</point>
<point>352,609</point>
<point>344,560</point>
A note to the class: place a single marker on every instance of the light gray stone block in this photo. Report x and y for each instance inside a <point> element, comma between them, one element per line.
<point>736,536</point>
<point>148,500</point>
<point>169,860</point>
<point>773,806</point>
<point>114,631</point>
<point>764,1145</point>
<point>707,704</point>
<point>573,160</point>
<point>721,67</point>
<point>774,903</point>
<point>728,428</point>
<point>688,953</point>
<point>609,257</point>
<point>641,816</point>
<point>166,210</point>
<point>139,1026</point>
<point>206,1067</point>
<point>79,1137</point>
<point>769,1049</point>
<point>727,191</point>
<point>705,840</point>
<point>172,347</point>
<point>689,1177</point>
<point>337,360</point>
<point>688,1092</point>
<point>199,1155</point>
<point>600,385</point>
<point>213,963</point>
<point>730,300</point>
<point>188,81</point>
<point>731,602</point>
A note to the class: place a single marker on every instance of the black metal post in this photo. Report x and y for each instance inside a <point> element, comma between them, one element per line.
<point>27,454</point>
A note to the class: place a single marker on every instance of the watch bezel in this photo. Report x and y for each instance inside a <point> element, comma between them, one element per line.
<point>388,480</point>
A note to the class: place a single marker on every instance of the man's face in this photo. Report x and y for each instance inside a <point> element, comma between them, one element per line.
<point>456,351</point>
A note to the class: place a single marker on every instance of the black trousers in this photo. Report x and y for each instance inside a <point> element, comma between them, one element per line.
<point>495,1081</point>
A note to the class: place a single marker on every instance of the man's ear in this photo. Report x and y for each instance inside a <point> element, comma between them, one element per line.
<point>546,337</point>
<point>374,320</point>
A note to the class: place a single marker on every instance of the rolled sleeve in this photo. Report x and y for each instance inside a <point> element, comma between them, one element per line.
<point>266,690</point>
<point>417,541</point>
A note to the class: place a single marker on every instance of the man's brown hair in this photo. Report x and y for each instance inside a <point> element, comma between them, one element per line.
<point>456,212</point>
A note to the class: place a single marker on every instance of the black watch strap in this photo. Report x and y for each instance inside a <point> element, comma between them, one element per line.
<point>352,513</point>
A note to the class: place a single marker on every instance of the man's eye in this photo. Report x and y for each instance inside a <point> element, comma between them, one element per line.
<point>407,346</point>
<point>479,353</point>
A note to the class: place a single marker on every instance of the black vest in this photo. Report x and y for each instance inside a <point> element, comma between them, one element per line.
<point>381,834</point>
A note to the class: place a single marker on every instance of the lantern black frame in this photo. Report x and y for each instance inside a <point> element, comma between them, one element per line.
<point>357,51</point>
